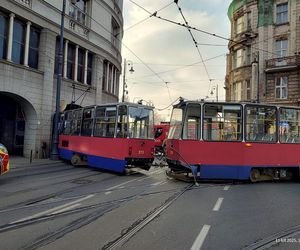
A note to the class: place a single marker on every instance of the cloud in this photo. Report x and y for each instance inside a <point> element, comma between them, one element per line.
<point>167,47</point>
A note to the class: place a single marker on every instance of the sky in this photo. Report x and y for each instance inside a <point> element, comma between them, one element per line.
<point>166,62</point>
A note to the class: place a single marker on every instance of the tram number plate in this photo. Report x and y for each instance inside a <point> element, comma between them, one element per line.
<point>141,152</point>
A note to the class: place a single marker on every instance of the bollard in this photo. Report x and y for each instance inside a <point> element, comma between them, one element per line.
<point>30,156</point>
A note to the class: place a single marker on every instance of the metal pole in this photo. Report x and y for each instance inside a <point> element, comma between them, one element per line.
<point>124,80</point>
<point>217,94</point>
<point>257,93</point>
<point>54,149</point>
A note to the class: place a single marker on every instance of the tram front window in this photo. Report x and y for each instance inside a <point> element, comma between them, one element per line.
<point>122,122</point>
<point>261,123</point>
<point>176,124</point>
<point>140,122</point>
<point>191,128</point>
<point>222,122</point>
<point>289,125</point>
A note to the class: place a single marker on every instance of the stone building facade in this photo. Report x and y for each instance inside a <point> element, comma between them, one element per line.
<point>29,42</point>
<point>264,52</point>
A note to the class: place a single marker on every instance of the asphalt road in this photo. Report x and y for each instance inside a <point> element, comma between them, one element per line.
<point>57,206</point>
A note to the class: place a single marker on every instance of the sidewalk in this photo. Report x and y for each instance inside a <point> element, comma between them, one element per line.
<point>18,161</point>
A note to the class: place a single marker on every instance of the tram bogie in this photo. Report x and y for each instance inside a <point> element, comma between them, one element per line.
<point>111,137</point>
<point>236,141</point>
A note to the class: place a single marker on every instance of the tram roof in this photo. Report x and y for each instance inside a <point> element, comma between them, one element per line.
<point>115,104</point>
<point>186,102</point>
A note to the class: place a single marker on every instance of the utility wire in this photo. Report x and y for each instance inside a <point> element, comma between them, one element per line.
<point>196,45</point>
<point>197,29</point>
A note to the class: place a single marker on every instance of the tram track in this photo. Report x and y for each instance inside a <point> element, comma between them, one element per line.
<point>275,239</point>
<point>102,209</point>
<point>141,223</point>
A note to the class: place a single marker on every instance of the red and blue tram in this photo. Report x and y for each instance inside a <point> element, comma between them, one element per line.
<point>111,137</point>
<point>239,141</point>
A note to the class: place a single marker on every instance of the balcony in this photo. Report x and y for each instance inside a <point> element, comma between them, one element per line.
<point>244,38</point>
<point>288,63</point>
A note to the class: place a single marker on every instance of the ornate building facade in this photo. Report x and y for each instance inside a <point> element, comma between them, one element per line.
<point>264,52</point>
<point>29,42</point>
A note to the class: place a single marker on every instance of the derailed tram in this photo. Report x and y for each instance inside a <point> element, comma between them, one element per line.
<point>112,137</point>
<point>238,141</point>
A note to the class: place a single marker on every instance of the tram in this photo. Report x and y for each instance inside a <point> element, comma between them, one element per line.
<point>238,141</point>
<point>160,135</point>
<point>112,137</point>
<point>4,160</point>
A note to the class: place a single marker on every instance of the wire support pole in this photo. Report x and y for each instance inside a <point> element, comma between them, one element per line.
<point>54,147</point>
<point>124,80</point>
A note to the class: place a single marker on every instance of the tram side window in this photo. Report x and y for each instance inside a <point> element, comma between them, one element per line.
<point>222,122</point>
<point>87,122</point>
<point>61,123</point>
<point>105,122</point>
<point>260,123</point>
<point>191,128</point>
<point>176,124</point>
<point>122,123</point>
<point>76,122</point>
<point>140,122</point>
<point>289,125</point>
<point>68,121</point>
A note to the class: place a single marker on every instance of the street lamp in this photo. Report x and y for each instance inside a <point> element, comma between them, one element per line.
<point>256,64</point>
<point>54,147</point>
<point>215,89</point>
<point>129,63</point>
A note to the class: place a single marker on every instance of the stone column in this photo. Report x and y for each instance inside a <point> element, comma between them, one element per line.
<point>66,59</point>
<point>46,65</point>
<point>26,52</point>
<point>106,88</point>
<point>86,66</point>
<point>76,63</point>
<point>10,36</point>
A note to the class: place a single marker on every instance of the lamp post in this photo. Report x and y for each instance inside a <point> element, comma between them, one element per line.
<point>124,76</point>
<point>215,88</point>
<point>54,147</point>
<point>256,63</point>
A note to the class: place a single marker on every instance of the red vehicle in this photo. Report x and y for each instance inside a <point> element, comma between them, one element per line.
<point>4,160</point>
<point>111,137</point>
<point>234,141</point>
<point>160,135</point>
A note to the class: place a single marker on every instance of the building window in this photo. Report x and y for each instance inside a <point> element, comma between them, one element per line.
<point>104,79</point>
<point>115,27</point>
<point>281,48</point>
<point>71,61</point>
<point>238,56</point>
<point>3,36</point>
<point>34,42</point>
<point>89,69</point>
<point>80,66</point>
<point>239,25</point>
<point>248,90</point>
<point>281,87</point>
<point>18,42</point>
<point>282,13</point>
<point>78,11</point>
<point>237,91</point>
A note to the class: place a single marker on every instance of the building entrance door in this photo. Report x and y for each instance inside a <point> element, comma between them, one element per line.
<point>12,125</point>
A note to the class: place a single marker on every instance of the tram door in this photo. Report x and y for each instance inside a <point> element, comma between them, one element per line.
<point>12,125</point>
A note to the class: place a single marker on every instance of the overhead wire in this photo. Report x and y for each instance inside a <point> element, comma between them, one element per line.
<point>148,67</point>
<point>195,43</point>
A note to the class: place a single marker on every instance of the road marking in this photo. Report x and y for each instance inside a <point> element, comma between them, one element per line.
<point>218,204</point>
<point>136,179</point>
<point>226,188</point>
<point>200,238</point>
<point>108,192</point>
<point>53,209</point>
<point>67,208</point>
<point>156,183</point>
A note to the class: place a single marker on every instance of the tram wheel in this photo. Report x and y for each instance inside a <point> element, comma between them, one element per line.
<point>254,175</point>
<point>76,160</point>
